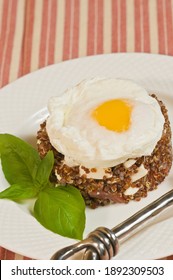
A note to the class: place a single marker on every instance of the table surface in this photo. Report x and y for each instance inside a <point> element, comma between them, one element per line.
<point>37,33</point>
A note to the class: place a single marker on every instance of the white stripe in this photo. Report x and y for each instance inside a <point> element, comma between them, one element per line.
<point>107,26</point>
<point>6,39</point>
<point>130,26</point>
<point>17,43</point>
<point>71,28</point>
<point>152,8</point>
<point>36,35</point>
<point>165,27</point>
<point>118,24</point>
<point>48,33</point>
<point>141,26</point>
<point>59,38</point>
<point>95,26</point>
<point>83,23</point>
<point>17,256</point>
<point>1,9</point>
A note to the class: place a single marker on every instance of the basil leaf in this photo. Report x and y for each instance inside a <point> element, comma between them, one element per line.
<point>20,160</point>
<point>44,170</point>
<point>61,210</point>
<point>14,168</point>
<point>18,192</point>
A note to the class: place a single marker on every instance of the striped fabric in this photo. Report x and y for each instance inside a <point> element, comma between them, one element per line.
<point>36,33</point>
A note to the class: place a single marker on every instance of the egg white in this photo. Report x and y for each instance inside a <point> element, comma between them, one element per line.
<point>75,134</point>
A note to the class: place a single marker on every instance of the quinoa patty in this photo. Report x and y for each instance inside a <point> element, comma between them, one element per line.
<point>115,188</point>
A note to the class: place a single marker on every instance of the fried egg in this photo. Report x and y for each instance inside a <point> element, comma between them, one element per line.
<point>102,122</point>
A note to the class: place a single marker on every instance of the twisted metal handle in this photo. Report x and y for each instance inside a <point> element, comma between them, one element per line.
<point>102,242</point>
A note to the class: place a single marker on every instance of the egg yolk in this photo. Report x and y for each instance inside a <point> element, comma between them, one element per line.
<point>114,115</point>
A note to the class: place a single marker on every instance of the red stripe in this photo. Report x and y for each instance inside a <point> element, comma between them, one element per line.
<point>20,70</point>
<point>67,26</point>
<point>75,42</point>
<point>123,26</point>
<point>3,32</point>
<point>10,255</point>
<point>160,19</point>
<point>21,62</point>
<point>44,32</point>
<point>146,28</point>
<point>91,27</point>
<point>137,26</point>
<point>2,253</point>
<point>169,26</point>
<point>8,53</point>
<point>26,258</point>
<point>25,58</point>
<point>52,32</point>
<point>28,36</point>
<point>100,27</point>
<point>114,26</point>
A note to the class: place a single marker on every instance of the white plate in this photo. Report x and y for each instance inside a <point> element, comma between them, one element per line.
<point>23,108</point>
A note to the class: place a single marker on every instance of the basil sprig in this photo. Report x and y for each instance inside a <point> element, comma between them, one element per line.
<point>60,209</point>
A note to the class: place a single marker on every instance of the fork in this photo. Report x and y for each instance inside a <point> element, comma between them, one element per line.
<point>104,243</point>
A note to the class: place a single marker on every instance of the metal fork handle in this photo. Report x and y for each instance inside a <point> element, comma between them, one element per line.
<point>103,243</point>
<point>101,240</point>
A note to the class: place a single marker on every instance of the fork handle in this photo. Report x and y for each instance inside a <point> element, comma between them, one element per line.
<point>136,222</point>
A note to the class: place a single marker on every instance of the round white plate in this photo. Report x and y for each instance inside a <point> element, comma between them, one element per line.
<point>23,108</point>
